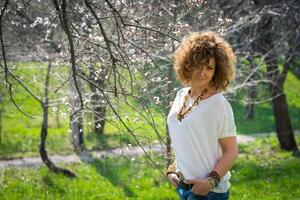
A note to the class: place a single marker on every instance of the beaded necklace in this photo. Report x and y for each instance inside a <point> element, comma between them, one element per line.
<point>181,114</point>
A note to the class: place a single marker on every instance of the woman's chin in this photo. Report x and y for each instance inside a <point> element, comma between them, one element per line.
<point>202,82</point>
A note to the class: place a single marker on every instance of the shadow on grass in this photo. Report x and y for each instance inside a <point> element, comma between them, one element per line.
<point>111,170</point>
<point>114,169</point>
<point>49,183</point>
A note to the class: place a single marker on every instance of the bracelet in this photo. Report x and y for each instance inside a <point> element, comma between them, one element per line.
<point>173,173</point>
<point>172,169</point>
<point>215,177</point>
<point>212,182</point>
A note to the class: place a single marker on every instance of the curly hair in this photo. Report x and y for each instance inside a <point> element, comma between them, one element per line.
<point>199,47</point>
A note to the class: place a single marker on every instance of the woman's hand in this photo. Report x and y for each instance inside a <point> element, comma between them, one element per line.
<point>200,187</point>
<point>173,178</point>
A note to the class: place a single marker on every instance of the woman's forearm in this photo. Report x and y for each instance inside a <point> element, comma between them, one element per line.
<point>225,162</point>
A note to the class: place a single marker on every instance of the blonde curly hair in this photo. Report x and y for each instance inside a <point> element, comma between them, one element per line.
<point>199,47</point>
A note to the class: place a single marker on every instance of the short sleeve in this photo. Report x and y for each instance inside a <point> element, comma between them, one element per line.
<point>228,128</point>
<point>176,103</point>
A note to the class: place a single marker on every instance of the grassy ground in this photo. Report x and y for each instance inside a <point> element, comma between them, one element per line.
<point>262,172</point>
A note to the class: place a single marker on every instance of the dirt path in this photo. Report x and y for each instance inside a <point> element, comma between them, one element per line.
<point>86,156</point>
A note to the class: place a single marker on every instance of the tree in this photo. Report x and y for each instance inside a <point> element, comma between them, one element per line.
<point>266,28</point>
<point>44,132</point>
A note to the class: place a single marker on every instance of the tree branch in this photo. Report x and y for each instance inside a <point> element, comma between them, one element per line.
<point>112,58</point>
<point>2,43</point>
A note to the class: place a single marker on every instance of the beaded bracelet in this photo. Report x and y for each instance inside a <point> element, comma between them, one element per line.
<point>173,173</point>
<point>212,182</point>
<point>215,178</point>
<point>172,169</point>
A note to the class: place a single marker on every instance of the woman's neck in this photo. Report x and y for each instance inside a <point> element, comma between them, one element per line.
<point>196,90</point>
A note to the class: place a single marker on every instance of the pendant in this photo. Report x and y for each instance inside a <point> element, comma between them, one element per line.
<point>179,117</point>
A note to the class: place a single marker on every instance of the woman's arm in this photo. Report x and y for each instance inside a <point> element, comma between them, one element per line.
<point>230,153</point>
<point>173,174</point>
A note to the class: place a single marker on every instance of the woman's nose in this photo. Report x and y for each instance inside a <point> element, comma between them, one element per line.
<point>202,71</point>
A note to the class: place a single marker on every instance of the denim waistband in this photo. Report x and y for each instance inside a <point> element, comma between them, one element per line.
<point>183,185</point>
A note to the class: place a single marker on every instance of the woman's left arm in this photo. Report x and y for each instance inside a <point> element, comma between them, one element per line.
<point>230,153</point>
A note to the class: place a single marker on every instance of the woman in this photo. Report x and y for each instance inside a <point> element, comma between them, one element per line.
<point>201,122</point>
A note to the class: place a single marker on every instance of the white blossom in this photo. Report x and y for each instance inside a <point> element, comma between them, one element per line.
<point>63,114</point>
<point>135,119</point>
<point>132,51</point>
<point>156,99</point>
<point>46,21</point>
<point>37,21</point>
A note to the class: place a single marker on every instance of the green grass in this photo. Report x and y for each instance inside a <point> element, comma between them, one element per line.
<point>112,178</point>
<point>265,172</point>
<point>262,172</point>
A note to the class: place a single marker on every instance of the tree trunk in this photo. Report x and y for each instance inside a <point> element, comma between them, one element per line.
<point>98,106</point>
<point>169,91</point>
<point>58,125</point>
<point>1,118</point>
<point>44,131</point>
<point>99,116</point>
<point>168,100</point>
<point>0,125</point>
<point>76,118</point>
<point>100,110</point>
<point>76,121</point>
<point>251,95</point>
<point>283,124</point>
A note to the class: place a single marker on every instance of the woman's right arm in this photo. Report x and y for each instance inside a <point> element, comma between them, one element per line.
<point>172,174</point>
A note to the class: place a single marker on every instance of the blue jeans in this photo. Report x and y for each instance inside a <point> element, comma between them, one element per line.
<point>186,194</point>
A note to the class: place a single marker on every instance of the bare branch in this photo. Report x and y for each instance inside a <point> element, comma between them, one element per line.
<point>2,42</point>
<point>65,24</point>
<point>112,58</point>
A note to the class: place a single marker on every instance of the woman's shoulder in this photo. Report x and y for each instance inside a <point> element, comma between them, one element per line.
<point>222,103</point>
<point>182,91</point>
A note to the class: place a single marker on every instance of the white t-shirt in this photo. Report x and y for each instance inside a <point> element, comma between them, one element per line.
<point>195,138</point>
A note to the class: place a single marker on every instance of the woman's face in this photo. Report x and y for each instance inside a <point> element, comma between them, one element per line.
<point>203,73</point>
